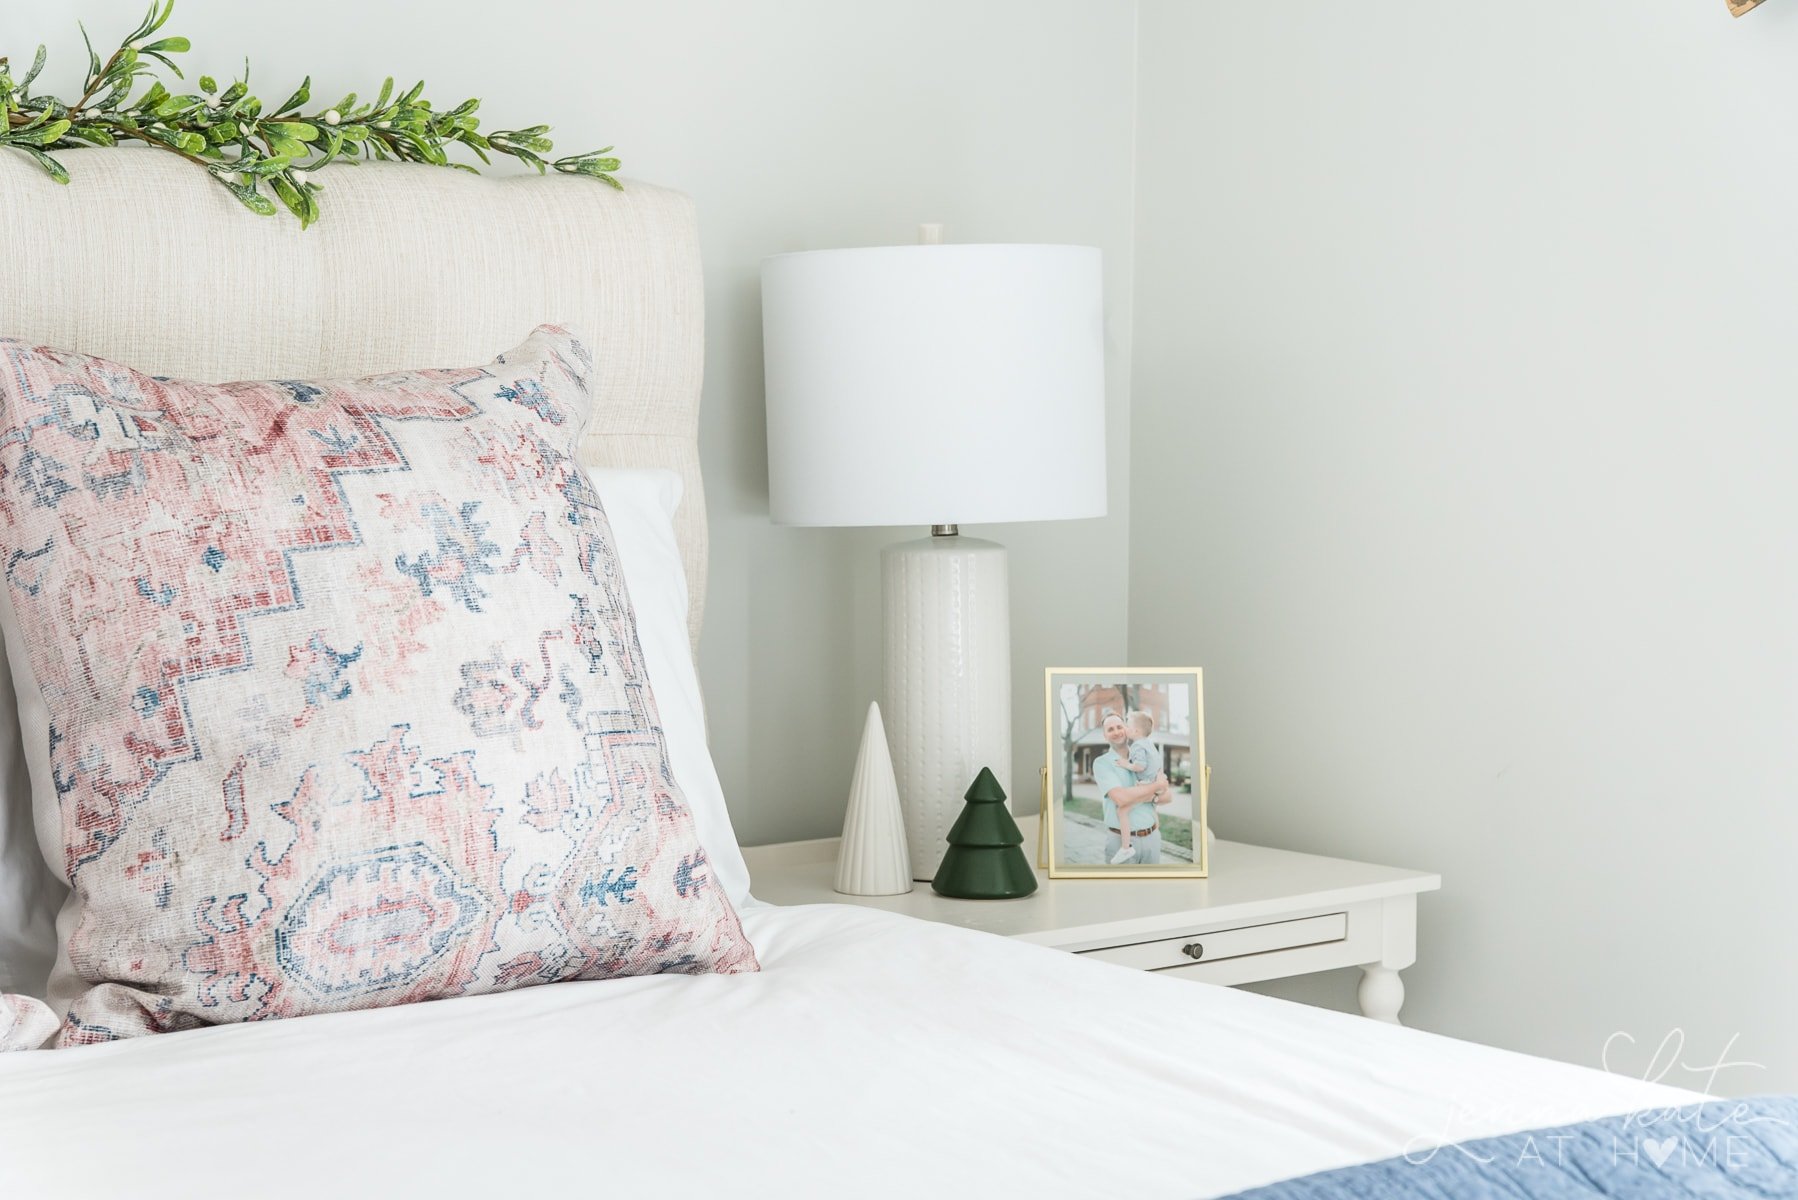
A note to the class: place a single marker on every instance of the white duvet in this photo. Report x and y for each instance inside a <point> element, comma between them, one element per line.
<point>873,1056</point>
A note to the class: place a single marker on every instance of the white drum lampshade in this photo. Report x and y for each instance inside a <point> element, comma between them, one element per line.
<point>938,385</point>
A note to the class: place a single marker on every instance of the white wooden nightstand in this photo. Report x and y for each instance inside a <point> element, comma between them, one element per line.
<point>1263,914</point>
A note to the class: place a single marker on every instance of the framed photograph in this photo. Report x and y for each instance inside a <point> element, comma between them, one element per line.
<point>1127,785</point>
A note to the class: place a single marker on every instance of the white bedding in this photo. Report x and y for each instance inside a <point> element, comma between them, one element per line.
<point>874,1056</point>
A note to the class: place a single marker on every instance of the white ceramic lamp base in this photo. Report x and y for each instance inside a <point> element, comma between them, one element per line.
<point>948,680</point>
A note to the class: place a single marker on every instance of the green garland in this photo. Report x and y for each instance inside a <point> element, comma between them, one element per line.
<point>240,145</point>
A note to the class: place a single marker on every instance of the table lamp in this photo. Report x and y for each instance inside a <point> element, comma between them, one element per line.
<point>937,385</point>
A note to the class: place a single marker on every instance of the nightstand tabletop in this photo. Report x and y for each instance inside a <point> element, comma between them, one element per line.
<point>1247,883</point>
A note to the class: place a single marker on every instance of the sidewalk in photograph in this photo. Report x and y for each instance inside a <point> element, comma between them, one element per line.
<point>1081,839</point>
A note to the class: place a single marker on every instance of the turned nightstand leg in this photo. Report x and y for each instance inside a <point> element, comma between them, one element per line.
<point>1382,993</point>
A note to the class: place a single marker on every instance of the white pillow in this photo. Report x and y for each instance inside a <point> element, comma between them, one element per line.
<point>641,506</point>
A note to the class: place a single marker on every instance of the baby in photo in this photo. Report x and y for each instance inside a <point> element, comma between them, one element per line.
<point>1146,763</point>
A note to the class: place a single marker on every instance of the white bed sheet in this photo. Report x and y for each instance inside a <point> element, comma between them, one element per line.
<point>874,1056</point>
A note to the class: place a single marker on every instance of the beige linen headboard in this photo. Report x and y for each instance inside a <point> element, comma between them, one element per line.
<point>143,259</point>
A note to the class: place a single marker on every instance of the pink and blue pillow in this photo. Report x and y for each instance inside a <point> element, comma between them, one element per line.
<point>332,694</point>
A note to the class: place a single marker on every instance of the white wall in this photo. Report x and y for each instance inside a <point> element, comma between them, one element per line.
<point>798,125</point>
<point>1465,434</point>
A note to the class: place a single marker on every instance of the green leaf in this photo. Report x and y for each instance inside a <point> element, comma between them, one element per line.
<point>386,92</point>
<point>267,166</point>
<point>593,158</point>
<point>290,196</point>
<point>143,26</point>
<point>303,94</point>
<point>333,147</point>
<point>427,151</point>
<point>43,135</point>
<point>594,167</point>
<point>169,45</point>
<point>299,131</point>
<point>152,98</point>
<point>208,84</point>
<point>286,146</point>
<point>167,62</point>
<point>93,134</point>
<point>37,64</point>
<point>51,167</point>
<point>93,60</point>
<point>153,20</point>
<point>512,141</point>
<point>299,200</point>
<point>193,143</point>
<point>249,197</point>
<point>180,139</point>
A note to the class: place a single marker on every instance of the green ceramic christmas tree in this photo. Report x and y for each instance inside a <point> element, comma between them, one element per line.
<point>986,849</point>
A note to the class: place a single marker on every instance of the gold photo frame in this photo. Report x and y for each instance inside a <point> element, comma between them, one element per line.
<point>1125,745</point>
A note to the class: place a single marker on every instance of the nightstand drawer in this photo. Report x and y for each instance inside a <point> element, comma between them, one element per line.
<point>1217,944</point>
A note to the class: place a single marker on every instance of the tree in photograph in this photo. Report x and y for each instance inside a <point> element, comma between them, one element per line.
<point>1070,730</point>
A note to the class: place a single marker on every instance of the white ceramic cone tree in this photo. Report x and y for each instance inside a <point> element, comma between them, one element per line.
<point>873,860</point>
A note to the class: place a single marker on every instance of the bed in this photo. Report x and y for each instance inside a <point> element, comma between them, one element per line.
<point>872,1054</point>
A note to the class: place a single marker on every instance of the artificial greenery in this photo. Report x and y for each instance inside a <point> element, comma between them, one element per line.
<point>244,144</point>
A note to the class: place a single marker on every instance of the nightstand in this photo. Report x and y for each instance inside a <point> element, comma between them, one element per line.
<point>1263,914</point>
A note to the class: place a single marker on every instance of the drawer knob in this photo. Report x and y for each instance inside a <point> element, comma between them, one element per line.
<point>1193,950</point>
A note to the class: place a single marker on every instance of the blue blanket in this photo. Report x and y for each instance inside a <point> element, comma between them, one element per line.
<point>1718,1150</point>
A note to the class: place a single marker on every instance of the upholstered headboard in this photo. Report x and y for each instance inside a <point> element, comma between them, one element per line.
<point>143,259</point>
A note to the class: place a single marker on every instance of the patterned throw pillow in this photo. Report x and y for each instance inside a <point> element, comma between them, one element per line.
<point>333,694</point>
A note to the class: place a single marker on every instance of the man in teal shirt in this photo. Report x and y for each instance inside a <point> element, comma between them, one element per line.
<point>1117,783</point>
